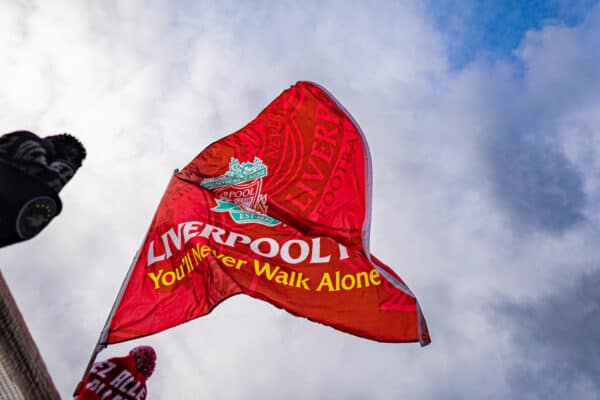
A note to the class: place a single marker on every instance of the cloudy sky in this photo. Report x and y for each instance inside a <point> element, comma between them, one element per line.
<point>483,120</point>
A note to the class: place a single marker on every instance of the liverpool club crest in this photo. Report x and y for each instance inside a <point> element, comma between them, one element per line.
<point>239,193</point>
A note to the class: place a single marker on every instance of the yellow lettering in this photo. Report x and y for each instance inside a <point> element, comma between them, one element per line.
<point>282,278</point>
<point>302,282</point>
<point>205,251</point>
<point>168,282</point>
<point>374,277</point>
<point>265,269</point>
<point>179,272</point>
<point>155,278</point>
<point>228,261</point>
<point>365,280</point>
<point>348,282</point>
<point>188,262</point>
<point>239,264</point>
<point>197,254</point>
<point>326,281</point>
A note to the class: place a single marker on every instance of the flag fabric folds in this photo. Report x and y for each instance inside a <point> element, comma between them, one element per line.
<point>279,211</point>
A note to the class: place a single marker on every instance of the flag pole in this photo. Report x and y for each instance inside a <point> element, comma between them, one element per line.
<point>101,343</point>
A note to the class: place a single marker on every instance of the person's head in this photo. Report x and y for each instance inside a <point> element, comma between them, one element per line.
<point>67,147</point>
<point>145,358</point>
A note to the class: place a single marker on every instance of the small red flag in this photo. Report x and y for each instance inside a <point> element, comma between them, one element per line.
<point>280,211</point>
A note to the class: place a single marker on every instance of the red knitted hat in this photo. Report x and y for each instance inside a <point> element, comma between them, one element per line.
<point>145,357</point>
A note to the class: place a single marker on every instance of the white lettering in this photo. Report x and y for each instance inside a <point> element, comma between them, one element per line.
<point>315,257</point>
<point>175,238</point>
<point>343,252</point>
<point>109,367</point>
<point>131,392</point>
<point>273,247</point>
<point>120,378</point>
<point>293,251</point>
<point>285,251</point>
<point>189,230</point>
<point>141,394</point>
<point>234,236</point>
<point>151,257</point>
<point>215,231</point>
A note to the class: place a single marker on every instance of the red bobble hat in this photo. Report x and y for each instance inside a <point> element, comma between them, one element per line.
<point>145,357</point>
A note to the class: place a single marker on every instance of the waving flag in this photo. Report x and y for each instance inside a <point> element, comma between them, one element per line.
<point>279,211</point>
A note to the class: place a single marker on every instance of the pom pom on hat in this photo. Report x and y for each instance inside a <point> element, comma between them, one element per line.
<point>145,357</point>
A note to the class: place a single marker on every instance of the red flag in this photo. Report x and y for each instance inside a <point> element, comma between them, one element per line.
<point>280,211</point>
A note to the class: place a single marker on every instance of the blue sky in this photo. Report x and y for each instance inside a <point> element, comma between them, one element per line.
<point>484,126</point>
<point>494,29</point>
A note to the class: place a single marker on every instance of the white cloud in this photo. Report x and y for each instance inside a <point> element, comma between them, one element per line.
<point>146,86</point>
